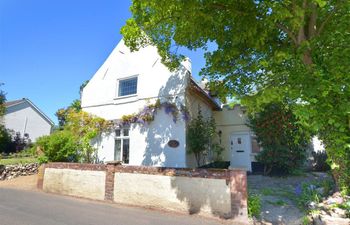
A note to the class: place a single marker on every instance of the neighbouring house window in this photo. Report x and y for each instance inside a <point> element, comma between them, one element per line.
<point>122,145</point>
<point>127,87</point>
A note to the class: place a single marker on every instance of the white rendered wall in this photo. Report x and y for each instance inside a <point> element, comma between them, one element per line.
<point>81,183</point>
<point>148,143</point>
<point>24,119</point>
<point>99,97</point>
<point>229,121</point>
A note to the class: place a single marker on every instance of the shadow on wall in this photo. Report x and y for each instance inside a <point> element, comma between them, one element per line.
<point>213,196</point>
<point>157,135</point>
<point>165,127</point>
<point>209,196</point>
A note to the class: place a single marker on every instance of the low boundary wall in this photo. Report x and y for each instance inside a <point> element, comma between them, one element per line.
<point>208,192</point>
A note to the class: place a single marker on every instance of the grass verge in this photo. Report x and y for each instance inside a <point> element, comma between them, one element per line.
<point>16,161</point>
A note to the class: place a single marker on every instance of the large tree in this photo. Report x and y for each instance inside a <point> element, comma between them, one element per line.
<point>265,51</point>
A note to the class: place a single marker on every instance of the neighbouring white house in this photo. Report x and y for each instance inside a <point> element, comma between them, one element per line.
<point>129,81</point>
<point>24,117</point>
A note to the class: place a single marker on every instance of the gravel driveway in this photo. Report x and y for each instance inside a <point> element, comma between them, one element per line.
<point>277,195</point>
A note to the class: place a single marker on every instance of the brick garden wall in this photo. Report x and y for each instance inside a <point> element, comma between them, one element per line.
<point>210,192</point>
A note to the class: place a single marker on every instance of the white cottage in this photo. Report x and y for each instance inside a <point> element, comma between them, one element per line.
<point>128,81</point>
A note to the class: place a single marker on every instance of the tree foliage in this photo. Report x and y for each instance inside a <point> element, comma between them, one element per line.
<point>85,127</point>
<point>73,141</point>
<point>283,140</point>
<point>5,139</point>
<point>265,51</point>
<point>63,112</point>
<point>2,102</point>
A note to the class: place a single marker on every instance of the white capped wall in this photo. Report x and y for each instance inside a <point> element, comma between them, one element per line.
<point>24,119</point>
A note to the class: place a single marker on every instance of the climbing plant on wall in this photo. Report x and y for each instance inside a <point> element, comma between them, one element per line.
<point>147,114</point>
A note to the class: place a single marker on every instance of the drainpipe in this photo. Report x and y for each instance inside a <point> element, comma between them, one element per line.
<point>25,126</point>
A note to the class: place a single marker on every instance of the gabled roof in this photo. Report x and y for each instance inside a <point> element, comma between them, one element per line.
<point>201,92</point>
<point>23,100</point>
<point>12,103</point>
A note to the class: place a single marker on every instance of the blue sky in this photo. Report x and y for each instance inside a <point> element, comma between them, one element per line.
<point>49,48</point>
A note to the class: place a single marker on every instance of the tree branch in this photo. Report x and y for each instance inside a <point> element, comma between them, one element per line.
<point>312,21</point>
<point>323,24</point>
<point>326,20</point>
<point>301,33</point>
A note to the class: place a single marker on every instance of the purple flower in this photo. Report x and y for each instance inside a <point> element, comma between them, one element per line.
<point>140,121</point>
<point>298,190</point>
<point>169,108</point>
<point>185,116</point>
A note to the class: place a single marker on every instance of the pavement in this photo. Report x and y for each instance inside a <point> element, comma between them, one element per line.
<point>21,206</point>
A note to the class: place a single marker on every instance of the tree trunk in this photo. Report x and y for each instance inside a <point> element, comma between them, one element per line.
<point>198,158</point>
<point>307,59</point>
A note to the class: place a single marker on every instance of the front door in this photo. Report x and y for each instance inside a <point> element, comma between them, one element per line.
<point>241,146</point>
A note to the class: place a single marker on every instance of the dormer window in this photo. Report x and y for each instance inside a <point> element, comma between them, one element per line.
<point>127,87</point>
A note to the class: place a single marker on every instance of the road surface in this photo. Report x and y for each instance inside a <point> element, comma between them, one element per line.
<point>23,207</point>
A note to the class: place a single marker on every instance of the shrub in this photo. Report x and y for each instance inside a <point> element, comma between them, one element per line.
<point>320,161</point>
<point>312,192</point>
<point>200,138</point>
<point>254,205</point>
<point>283,140</point>
<point>5,139</point>
<point>42,159</point>
<point>61,146</point>
<point>19,142</point>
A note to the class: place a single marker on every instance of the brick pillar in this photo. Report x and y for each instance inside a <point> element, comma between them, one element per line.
<point>239,195</point>
<point>109,188</point>
<point>40,181</point>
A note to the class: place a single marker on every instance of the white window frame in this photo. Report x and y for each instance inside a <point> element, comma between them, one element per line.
<point>127,78</point>
<point>122,138</point>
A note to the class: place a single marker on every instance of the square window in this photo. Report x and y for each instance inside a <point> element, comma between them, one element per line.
<point>127,87</point>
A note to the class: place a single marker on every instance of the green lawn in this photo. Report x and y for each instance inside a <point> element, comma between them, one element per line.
<point>13,161</point>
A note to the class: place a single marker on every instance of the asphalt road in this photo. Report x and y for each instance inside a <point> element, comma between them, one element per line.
<point>19,207</point>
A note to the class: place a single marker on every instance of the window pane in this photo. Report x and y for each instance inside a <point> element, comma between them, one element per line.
<point>128,86</point>
<point>117,146</point>
<point>117,133</point>
<point>125,132</point>
<point>126,150</point>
